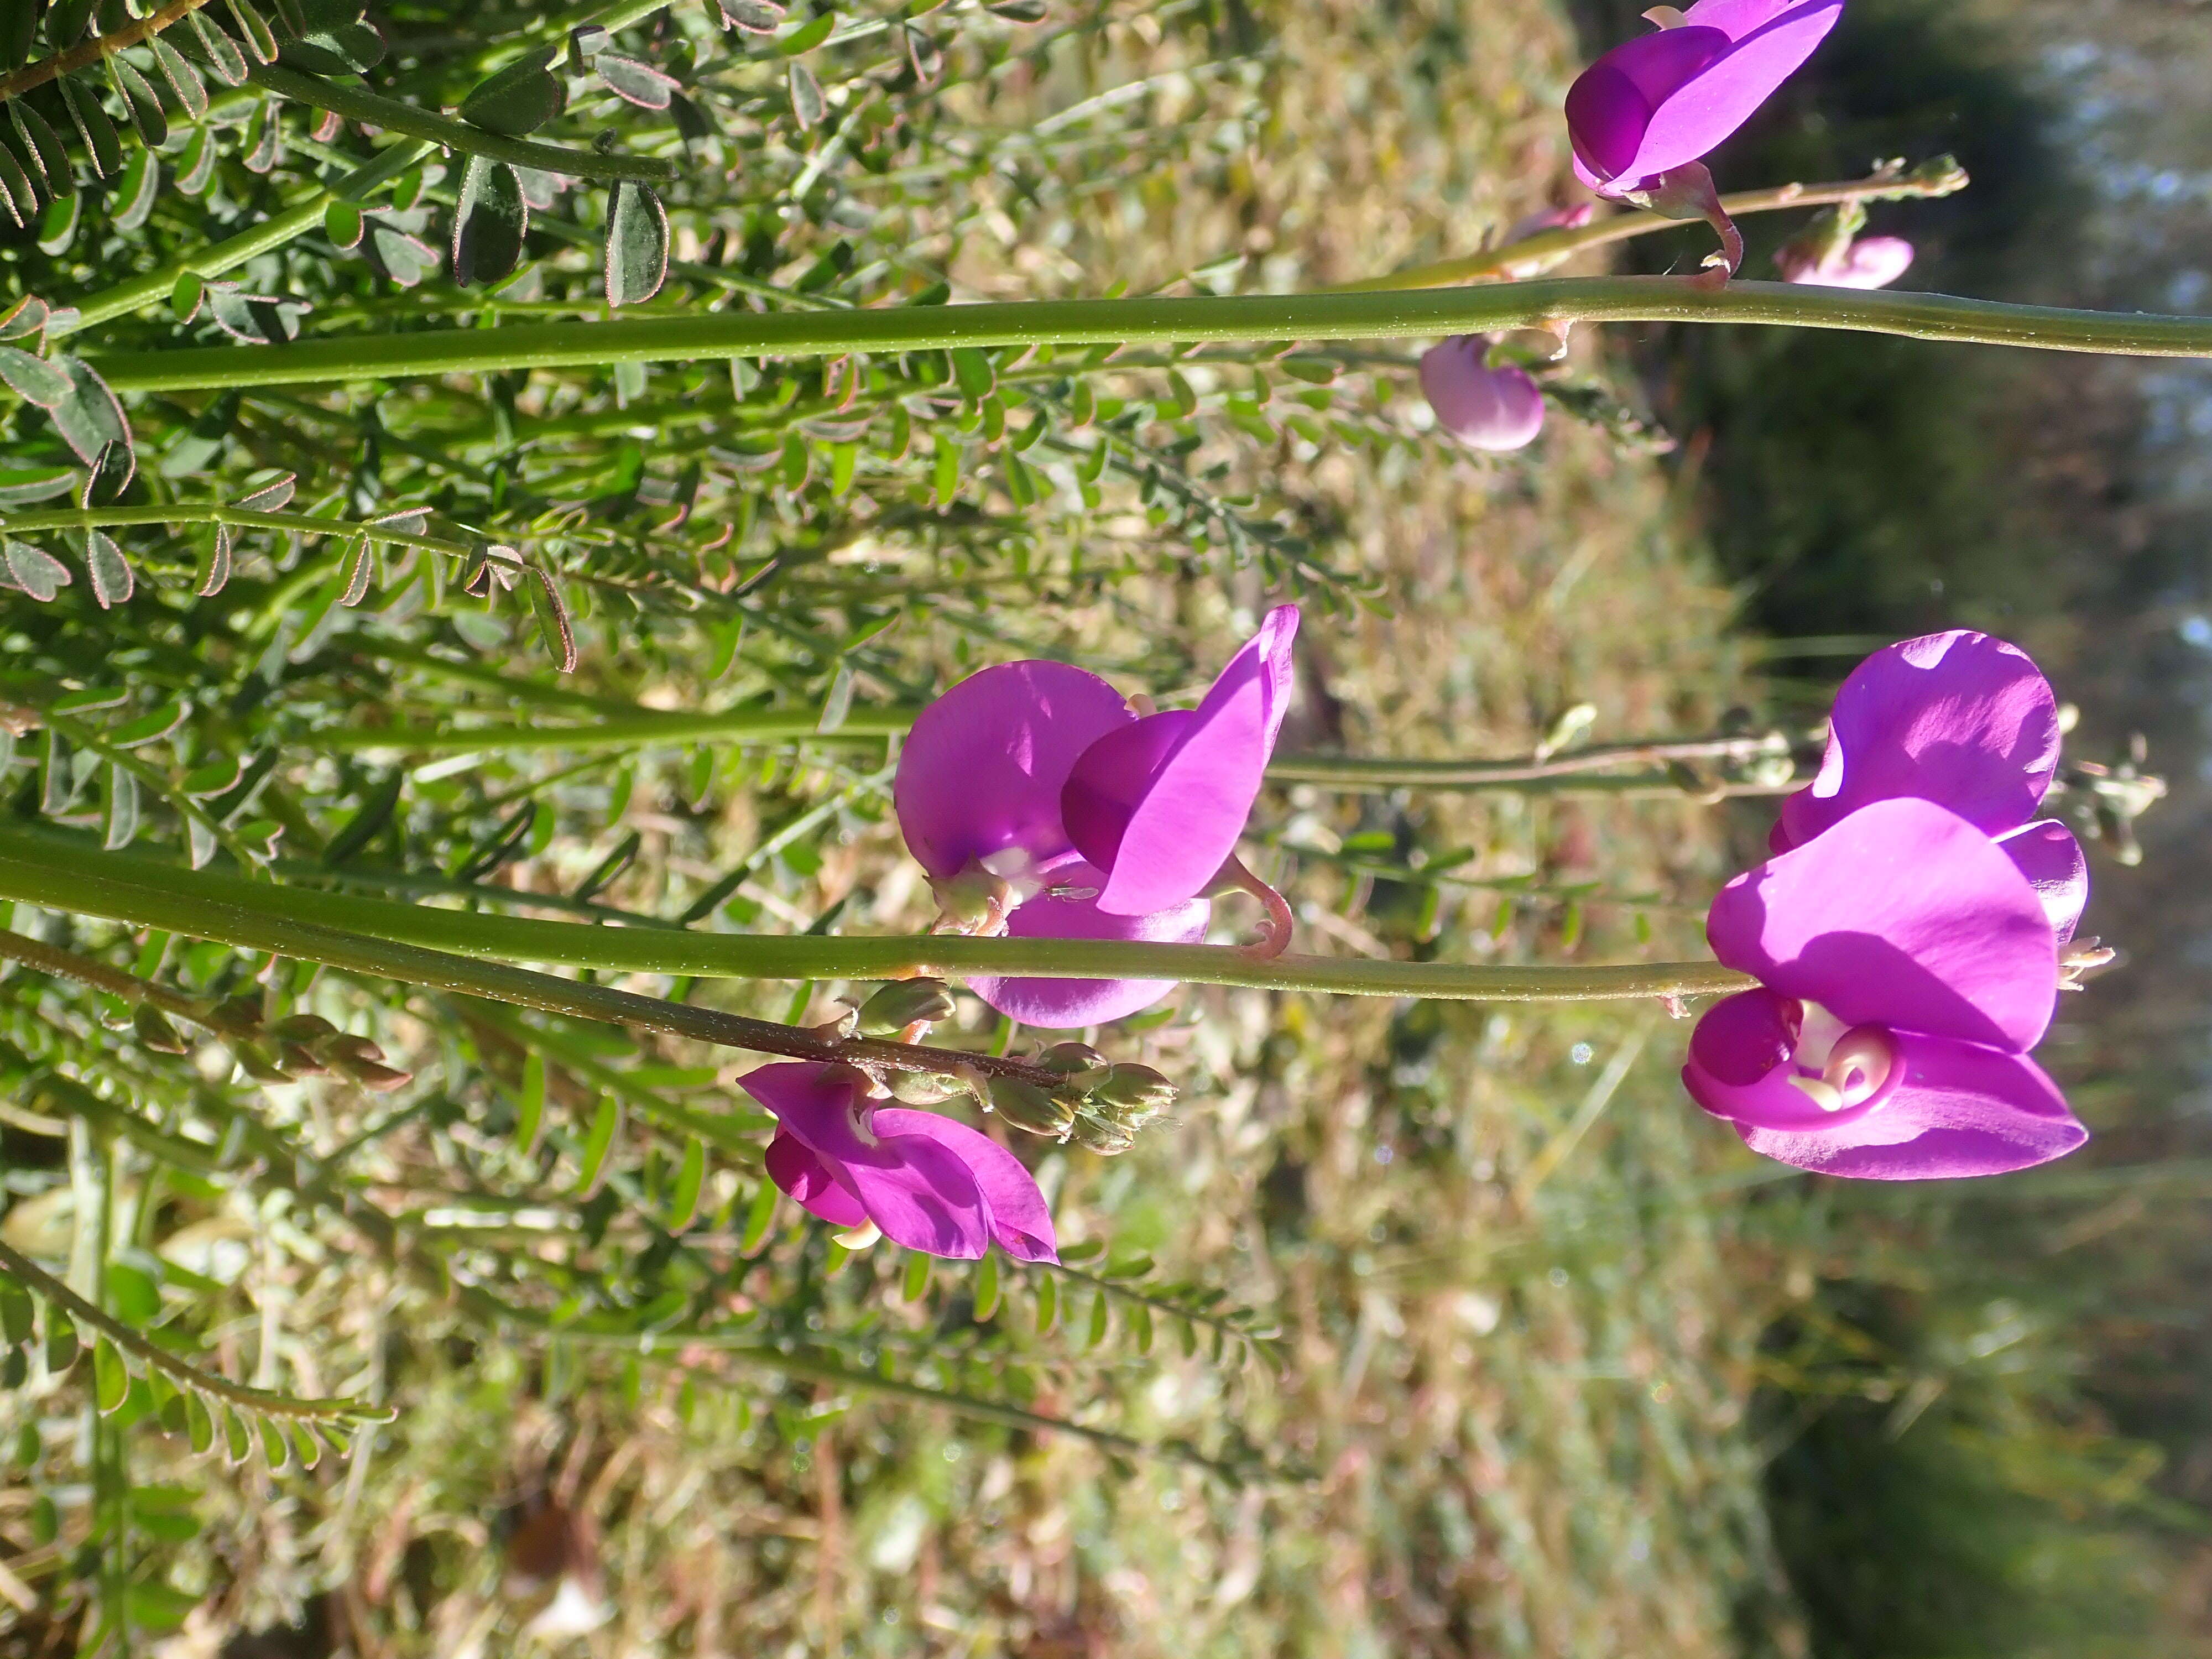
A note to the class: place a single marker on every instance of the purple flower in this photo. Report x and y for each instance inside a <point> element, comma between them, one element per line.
<point>1863,262</point>
<point>924,1180</point>
<point>1967,721</point>
<point>1664,100</point>
<point>1042,804</point>
<point>1485,407</point>
<point>1905,968</point>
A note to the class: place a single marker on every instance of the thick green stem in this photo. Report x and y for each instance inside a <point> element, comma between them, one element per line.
<point>1549,304</point>
<point>305,923</point>
<point>1530,256</point>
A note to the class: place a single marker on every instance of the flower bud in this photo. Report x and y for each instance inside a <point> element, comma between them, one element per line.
<point>156,1032</point>
<point>1082,1065</point>
<point>923,1088</point>
<point>1106,1139</point>
<point>972,900</point>
<point>1027,1107</point>
<point>1830,253</point>
<point>1134,1095</point>
<point>1485,407</point>
<point>905,1002</point>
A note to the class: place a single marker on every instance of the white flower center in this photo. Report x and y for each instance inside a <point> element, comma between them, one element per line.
<point>1838,1065</point>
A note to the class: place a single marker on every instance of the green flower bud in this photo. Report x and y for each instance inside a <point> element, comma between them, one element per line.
<point>1103,1137</point>
<point>1083,1065</point>
<point>1027,1107</point>
<point>1133,1095</point>
<point>901,1002</point>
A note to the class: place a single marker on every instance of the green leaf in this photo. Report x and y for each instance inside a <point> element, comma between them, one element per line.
<point>1099,1319</point>
<point>35,571</point>
<point>808,35</point>
<point>101,141</point>
<point>633,81</point>
<point>1141,1326</point>
<point>148,727</point>
<point>1048,1303</point>
<point>41,146</point>
<point>274,1448</point>
<point>808,106</point>
<point>183,79</point>
<point>343,224</point>
<point>139,97</point>
<point>17,1313</point>
<point>916,1283</point>
<point>21,486</point>
<point>367,823</point>
<point>357,571</point>
<point>519,99</point>
<point>490,222</point>
<point>18,196</point>
<point>110,1381</point>
<point>305,1446</point>
<point>599,1144</point>
<point>217,50</point>
<point>61,1341</point>
<point>19,32</point>
<point>637,245</point>
<point>111,580</point>
<point>58,225</point>
<point>119,814</point>
<point>199,1424</point>
<point>91,417</point>
<point>253,28</point>
<point>758,1217</point>
<point>553,626</point>
<point>237,1439</point>
<point>34,379</point>
<point>753,17</point>
<point>986,1286</point>
<point>530,1109</point>
<point>133,1294</point>
<point>691,1183</point>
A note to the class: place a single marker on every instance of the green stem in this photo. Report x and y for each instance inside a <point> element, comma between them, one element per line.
<point>1551,303</point>
<point>237,518</point>
<point>34,1279</point>
<point>358,104</point>
<point>228,255</point>
<point>347,930</point>
<point>1532,255</point>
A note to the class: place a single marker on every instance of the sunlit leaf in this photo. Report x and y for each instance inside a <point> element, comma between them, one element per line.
<point>490,222</point>
<point>637,245</point>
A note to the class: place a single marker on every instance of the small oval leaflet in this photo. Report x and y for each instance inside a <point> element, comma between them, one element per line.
<point>140,98</point>
<point>91,417</point>
<point>34,379</point>
<point>519,99</point>
<point>183,79</point>
<point>637,244</point>
<point>808,106</point>
<point>490,220</point>
<point>215,565</point>
<point>343,224</point>
<point>553,625</point>
<point>35,571</point>
<point>635,82</point>
<point>359,568</point>
<point>112,582</point>
<point>102,142</point>
<point>753,17</point>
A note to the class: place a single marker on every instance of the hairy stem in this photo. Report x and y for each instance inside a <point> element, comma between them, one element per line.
<point>347,930</point>
<point>1550,304</point>
<point>1529,255</point>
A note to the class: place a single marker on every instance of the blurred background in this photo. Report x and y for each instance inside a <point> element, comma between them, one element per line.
<point>1563,1370</point>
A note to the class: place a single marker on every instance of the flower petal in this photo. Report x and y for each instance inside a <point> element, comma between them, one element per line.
<point>984,765</point>
<point>2046,853</point>
<point>1959,1109</point>
<point>1960,719</point>
<point>1664,100</point>
<point>916,1192</point>
<point>1159,806</point>
<point>807,1178</point>
<point>1020,1221</point>
<point>1496,409</point>
<point>1068,1004</point>
<point>1903,915</point>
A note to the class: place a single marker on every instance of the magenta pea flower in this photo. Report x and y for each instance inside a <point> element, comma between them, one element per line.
<point>1864,262</point>
<point>922,1180</point>
<point>1043,805</point>
<point>1906,967</point>
<point>1489,409</point>
<point>1665,100</point>
<point>1965,720</point>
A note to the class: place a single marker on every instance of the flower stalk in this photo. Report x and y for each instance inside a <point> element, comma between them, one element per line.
<point>1552,304</point>
<point>367,934</point>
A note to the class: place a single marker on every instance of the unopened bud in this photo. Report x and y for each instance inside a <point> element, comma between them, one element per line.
<point>1083,1065</point>
<point>1027,1107</point>
<point>156,1032</point>
<point>972,901</point>
<point>303,1028</point>
<point>922,1088</point>
<point>378,1079</point>
<point>1133,1095</point>
<point>905,1002</point>
<point>299,1062</point>
<point>1106,1139</point>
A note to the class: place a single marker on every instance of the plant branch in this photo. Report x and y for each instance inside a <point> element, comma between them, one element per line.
<point>91,51</point>
<point>1530,256</point>
<point>1551,303</point>
<point>264,1401</point>
<point>422,944</point>
<point>358,104</point>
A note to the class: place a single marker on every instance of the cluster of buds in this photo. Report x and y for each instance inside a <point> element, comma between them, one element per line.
<point>279,1051</point>
<point>1097,1102</point>
<point>1100,1104</point>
